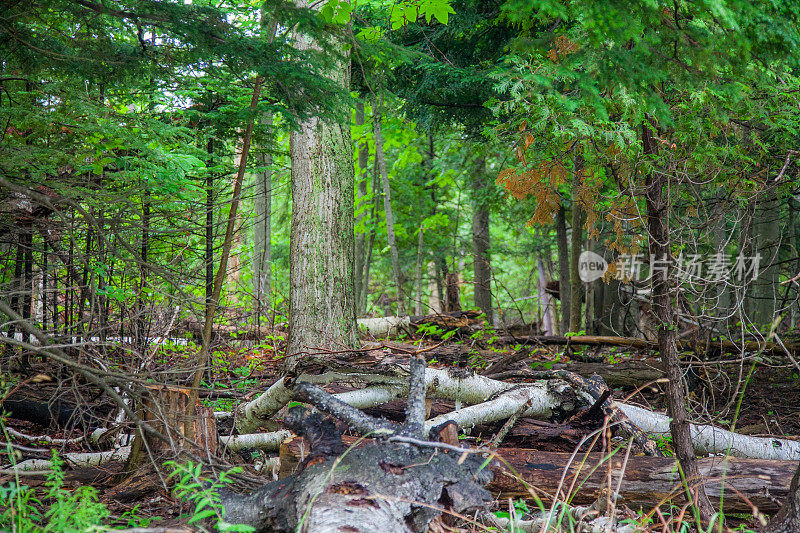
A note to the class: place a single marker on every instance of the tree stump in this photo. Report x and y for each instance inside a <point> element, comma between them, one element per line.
<point>165,408</point>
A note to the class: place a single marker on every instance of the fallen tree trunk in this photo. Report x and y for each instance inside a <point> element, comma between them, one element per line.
<point>383,486</point>
<point>257,441</point>
<point>713,440</point>
<point>392,325</point>
<point>646,481</point>
<point>541,399</point>
<point>633,342</point>
<point>44,466</point>
<point>452,384</point>
<point>384,326</point>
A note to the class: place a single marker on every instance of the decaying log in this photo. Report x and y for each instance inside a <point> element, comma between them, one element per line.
<point>384,326</point>
<point>391,383</point>
<point>366,489</point>
<point>646,480</point>
<point>382,486</point>
<point>545,401</point>
<point>633,342</point>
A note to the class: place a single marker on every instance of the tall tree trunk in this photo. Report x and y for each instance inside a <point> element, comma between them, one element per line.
<point>766,240</point>
<point>101,279</point>
<point>721,305</point>
<point>209,229</point>
<point>418,279</point>
<point>361,235</point>
<point>545,300</point>
<point>564,285</point>
<point>141,305</point>
<point>794,208</point>
<point>387,206</point>
<point>658,209</point>
<point>16,291</point>
<point>575,250</point>
<point>27,290</point>
<point>452,291</point>
<point>45,286</point>
<point>262,229</point>
<point>480,242</point>
<point>591,289</point>
<point>322,307</point>
<point>262,234</point>
<point>434,288</point>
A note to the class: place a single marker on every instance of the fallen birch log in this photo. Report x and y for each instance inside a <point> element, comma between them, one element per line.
<point>450,384</point>
<point>73,459</point>
<point>384,326</point>
<point>257,441</point>
<point>543,401</point>
<point>713,440</point>
<point>382,486</point>
<point>461,386</point>
<point>646,481</point>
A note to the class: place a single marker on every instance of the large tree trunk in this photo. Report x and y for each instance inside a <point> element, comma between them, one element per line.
<point>322,307</point>
<point>361,235</point>
<point>387,206</point>
<point>645,481</point>
<point>564,285</point>
<point>481,241</point>
<point>658,209</point>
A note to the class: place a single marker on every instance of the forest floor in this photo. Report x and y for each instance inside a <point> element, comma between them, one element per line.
<point>769,407</point>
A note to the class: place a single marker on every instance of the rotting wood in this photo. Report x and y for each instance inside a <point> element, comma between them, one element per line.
<point>646,480</point>
<point>367,488</point>
<point>643,344</point>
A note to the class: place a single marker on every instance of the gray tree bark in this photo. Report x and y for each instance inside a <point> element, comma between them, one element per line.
<point>322,307</point>
<point>545,300</point>
<point>481,241</point>
<point>787,519</point>
<point>387,206</point>
<point>575,251</point>
<point>766,242</point>
<point>564,286</point>
<point>262,233</point>
<point>418,281</point>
